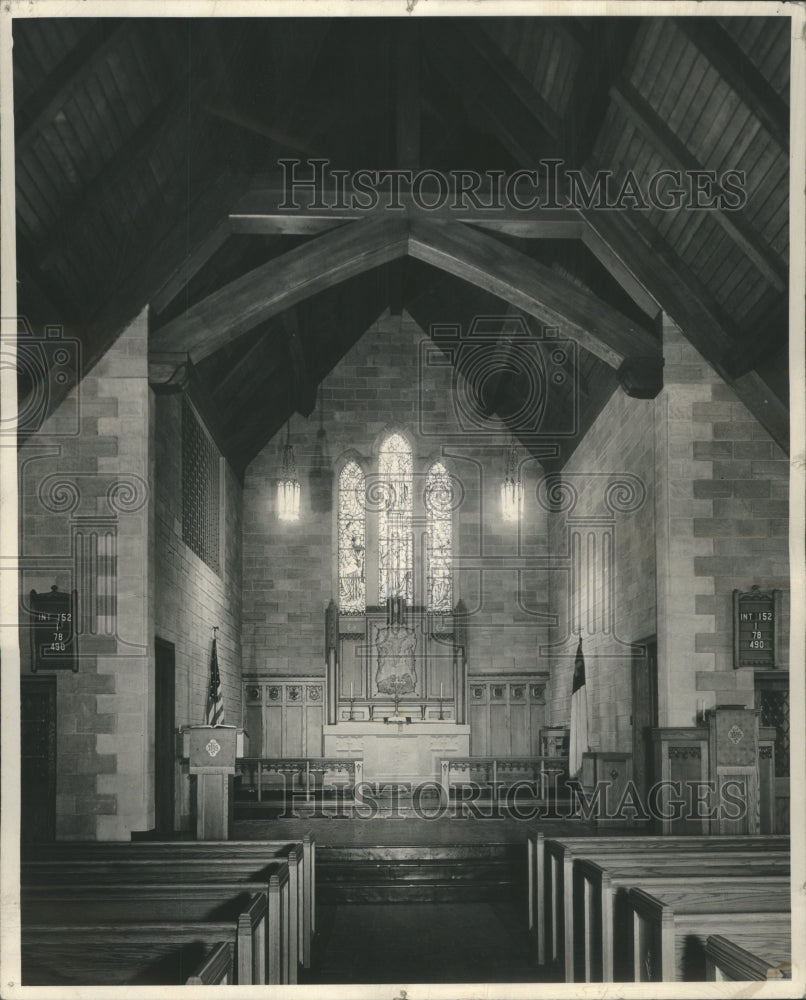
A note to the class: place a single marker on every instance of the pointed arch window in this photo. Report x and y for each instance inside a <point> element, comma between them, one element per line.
<point>439,541</point>
<point>395,543</point>
<point>352,539</point>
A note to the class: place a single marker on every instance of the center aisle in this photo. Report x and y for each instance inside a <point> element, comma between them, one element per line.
<point>422,943</point>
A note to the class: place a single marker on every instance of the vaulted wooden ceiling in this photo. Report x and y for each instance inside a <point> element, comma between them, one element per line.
<point>147,173</point>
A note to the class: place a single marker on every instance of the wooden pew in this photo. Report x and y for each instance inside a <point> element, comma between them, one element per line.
<point>215,969</point>
<point>274,879</point>
<point>537,868</point>
<point>725,960</point>
<point>557,892</point>
<point>125,954</point>
<point>669,933</point>
<point>598,889</point>
<point>187,904</point>
<point>305,852</point>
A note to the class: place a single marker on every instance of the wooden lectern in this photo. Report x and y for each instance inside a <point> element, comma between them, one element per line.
<point>211,754</point>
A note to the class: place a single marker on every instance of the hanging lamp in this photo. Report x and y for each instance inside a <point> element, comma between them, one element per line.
<point>512,488</point>
<point>288,487</point>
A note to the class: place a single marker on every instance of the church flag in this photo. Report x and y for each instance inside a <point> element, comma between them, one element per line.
<point>578,737</point>
<point>215,699</point>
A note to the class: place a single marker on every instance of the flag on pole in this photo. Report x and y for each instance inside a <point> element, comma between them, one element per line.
<point>215,699</point>
<point>578,737</point>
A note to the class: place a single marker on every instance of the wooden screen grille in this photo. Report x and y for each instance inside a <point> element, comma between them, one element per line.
<point>200,491</point>
<point>774,706</point>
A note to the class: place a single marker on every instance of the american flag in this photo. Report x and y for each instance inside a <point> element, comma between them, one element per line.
<point>215,699</point>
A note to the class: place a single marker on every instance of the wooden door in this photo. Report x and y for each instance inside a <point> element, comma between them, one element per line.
<point>164,737</point>
<point>38,758</point>
<point>644,709</point>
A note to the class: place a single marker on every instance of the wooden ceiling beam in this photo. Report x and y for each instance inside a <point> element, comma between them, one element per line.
<point>537,290</point>
<point>202,250</point>
<point>603,56</point>
<point>166,255</point>
<point>78,65</point>
<point>264,356</point>
<point>618,270</point>
<point>740,73</point>
<point>674,152</point>
<point>304,386</point>
<point>280,283</point>
<point>340,324</point>
<point>258,211</point>
<point>484,85</point>
<point>509,74</point>
<point>354,249</point>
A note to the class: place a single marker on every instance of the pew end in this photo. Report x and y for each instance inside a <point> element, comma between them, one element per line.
<point>727,961</point>
<point>216,969</point>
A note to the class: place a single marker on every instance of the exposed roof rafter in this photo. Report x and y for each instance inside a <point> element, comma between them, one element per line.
<point>740,73</point>
<point>732,221</point>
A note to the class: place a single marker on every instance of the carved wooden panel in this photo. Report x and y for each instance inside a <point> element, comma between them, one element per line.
<point>284,716</point>
<point>506,714</point>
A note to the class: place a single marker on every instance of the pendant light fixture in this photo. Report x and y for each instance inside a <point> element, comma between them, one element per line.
<point>288,486</point>
<point>512,488</point>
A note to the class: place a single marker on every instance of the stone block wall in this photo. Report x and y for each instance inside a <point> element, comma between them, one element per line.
<point>608,591</point>
<point>290,568</point>
<point>84,478</point>
<point>191,597</point>
<point>722,525</point>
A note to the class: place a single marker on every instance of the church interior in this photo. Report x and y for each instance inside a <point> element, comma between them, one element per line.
<point>404,495</point>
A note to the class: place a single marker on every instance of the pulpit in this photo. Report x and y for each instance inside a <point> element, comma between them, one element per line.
<point>715,778</point>
<point>211,753</point>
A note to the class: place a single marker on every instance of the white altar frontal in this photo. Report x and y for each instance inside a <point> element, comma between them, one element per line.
<point>398,751</point>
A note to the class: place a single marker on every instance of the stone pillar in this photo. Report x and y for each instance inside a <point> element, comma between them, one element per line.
<point>682,599</point>
<point>86,524</point>
<point>721,524</point>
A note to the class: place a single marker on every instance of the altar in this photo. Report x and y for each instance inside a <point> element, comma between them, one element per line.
<point>398,751</point>
<point>396,691</point>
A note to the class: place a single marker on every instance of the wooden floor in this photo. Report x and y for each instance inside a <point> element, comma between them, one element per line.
<point>407,943</point>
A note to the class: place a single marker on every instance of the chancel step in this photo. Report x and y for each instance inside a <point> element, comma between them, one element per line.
<point>447,873</point>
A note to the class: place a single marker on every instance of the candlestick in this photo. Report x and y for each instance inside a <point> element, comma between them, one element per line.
<point>351,690</point>
<point>440,690</point>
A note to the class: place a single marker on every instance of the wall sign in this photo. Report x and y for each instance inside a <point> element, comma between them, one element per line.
<point>54,645</point>
<point>756,622</point>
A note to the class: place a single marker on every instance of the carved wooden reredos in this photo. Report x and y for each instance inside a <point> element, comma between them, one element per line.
<point>397,653</point>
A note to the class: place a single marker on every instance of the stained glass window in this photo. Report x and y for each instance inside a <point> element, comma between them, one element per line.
<point>438,507</point>
<point>394,520</point>
<point>352,584</point>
